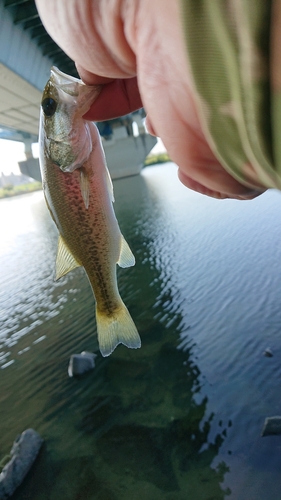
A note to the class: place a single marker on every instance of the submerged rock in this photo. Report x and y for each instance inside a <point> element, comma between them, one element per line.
<point>268,352</point>
<point>23,453</point>
<point>81,363</point>
<point>272,425</point>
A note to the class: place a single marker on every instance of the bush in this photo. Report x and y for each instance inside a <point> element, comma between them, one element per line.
<point>11,190</point>
<point>152,159</point>
<point>8,187</point>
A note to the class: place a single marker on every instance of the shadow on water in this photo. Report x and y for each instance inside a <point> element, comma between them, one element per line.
<point>132,428</point>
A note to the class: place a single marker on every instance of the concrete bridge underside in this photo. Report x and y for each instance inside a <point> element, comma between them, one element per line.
<point>26,55</point>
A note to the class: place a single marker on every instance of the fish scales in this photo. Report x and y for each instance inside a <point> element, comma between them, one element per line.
<point>79,195</point>
<point>91,242</point>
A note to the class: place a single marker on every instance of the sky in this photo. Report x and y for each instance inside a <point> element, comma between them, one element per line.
<point>10,153</point>
<point>159,147</point>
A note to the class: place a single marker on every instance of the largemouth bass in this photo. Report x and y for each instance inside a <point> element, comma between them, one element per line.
<point>79,194</point>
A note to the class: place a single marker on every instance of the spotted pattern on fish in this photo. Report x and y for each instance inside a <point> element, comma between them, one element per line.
<point>79,197</point>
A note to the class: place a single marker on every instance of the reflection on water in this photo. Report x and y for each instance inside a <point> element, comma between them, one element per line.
<point>181,417</point>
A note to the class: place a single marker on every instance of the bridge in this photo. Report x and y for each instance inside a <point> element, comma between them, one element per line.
<point>27,53</point>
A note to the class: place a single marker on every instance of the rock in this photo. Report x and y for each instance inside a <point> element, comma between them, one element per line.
<point>23,453</point>
<point>268,352</point>
<point>272,425</point>
<point>81,363</point>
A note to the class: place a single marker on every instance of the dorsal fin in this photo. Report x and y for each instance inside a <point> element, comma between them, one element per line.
<point>126,257</point>
<point>65,261</point>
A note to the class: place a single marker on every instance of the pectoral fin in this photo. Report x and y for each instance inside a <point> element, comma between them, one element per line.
<point>109,184</point>
<point>85,187</point>
<point>65,261</point>
<point>126,257</point>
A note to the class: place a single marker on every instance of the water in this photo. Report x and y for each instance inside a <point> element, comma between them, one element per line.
<point>181,417</point>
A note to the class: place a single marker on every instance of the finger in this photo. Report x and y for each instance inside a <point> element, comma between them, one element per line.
<point>149,126</point>
<point>117,98</point>
<point>90,78</point>
<point>223,192</point>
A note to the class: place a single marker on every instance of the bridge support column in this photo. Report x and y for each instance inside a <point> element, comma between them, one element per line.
<point>28,147</point>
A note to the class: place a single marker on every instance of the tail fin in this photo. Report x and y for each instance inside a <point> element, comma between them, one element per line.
<point>116,329</point>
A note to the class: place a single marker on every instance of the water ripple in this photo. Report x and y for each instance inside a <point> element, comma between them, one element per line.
<point>182,416</point>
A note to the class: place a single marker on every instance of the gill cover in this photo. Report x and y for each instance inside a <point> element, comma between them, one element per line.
<point>66,135</point>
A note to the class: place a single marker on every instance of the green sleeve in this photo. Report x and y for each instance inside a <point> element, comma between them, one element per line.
<point>231,51</point>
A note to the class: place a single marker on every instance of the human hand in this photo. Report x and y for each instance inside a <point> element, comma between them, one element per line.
<point>136,50</point>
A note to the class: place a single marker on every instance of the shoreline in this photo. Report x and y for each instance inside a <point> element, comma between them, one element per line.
<point>10,191</point>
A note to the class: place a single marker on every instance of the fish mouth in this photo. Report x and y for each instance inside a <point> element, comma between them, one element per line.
<point>74,87</point>
<point>59,79</point>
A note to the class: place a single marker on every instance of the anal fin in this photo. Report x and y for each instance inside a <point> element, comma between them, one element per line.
<point>65,261</point>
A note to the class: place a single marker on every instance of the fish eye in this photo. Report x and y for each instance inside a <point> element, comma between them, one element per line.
<point>49,106</point>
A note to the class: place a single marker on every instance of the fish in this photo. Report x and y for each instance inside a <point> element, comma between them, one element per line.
<point>79,195</point>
